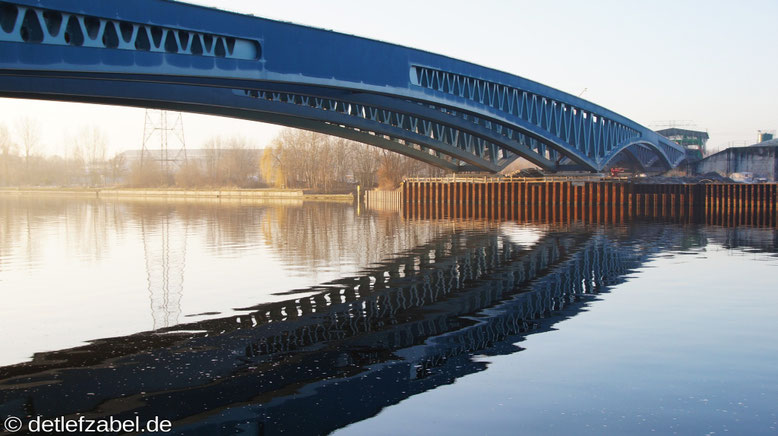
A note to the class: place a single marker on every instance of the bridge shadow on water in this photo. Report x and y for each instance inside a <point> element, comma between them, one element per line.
<point>340,352</point>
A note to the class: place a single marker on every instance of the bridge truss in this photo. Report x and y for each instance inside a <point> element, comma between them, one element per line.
<point>175,56</point>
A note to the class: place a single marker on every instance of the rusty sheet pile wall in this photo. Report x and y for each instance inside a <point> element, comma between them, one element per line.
<point>601,201</point>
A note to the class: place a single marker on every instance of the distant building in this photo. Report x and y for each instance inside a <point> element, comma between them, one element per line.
<point>758,162</point>
<point>766,143</point>
<point>765,135</point>
<point>692,140</point>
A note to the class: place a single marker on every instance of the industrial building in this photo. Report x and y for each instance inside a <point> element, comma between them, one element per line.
<point>755,163</point>
<point>692,140</point>
<point>765,135</point>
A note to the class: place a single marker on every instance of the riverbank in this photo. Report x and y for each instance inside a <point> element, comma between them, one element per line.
<point>296,194</point>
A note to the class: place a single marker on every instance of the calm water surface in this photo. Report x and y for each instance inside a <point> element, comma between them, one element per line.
<point>309,318</point>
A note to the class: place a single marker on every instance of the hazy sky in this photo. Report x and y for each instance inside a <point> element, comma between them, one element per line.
<point>713,63</point>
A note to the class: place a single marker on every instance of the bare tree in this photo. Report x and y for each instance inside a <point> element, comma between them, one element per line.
<point>228,161</point>
<point>392,170</point>
<point>240,162</point>
<point>92,141</point>
<point>117,167</point>
<point>75,162</point>
<point>270,167</point>
<point>299,158</point>
<point>142,176</point>
<point>7,149</point>
<point>189,175</point>
<point>213,148</point>
<point>28,131</point>
<point>341,159</point>
<point>366,160</point>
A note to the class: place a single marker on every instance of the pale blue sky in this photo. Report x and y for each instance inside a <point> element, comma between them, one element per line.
<point>712,62</point>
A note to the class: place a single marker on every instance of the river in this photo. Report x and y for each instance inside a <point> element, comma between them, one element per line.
<point>294,317</point>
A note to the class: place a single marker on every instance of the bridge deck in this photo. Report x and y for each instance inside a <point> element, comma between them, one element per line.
<point>449,113</point>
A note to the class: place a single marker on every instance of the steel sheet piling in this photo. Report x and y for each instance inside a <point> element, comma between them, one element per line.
<point>551,200</point>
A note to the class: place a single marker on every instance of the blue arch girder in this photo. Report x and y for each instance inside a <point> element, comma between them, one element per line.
<point>446,112</point>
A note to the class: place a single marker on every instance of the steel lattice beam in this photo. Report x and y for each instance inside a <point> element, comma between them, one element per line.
<point>448,113</point>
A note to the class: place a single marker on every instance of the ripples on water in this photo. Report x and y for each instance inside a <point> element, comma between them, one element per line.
<point>310,317</point>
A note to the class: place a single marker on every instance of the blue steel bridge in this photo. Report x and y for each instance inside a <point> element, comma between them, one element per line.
<point>446,112</point>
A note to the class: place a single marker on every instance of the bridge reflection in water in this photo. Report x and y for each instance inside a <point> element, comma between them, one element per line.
<point>316,362</point>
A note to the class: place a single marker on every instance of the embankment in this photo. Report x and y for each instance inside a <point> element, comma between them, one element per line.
<point>253,194</point>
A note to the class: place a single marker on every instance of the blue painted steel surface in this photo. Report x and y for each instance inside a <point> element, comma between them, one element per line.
<point>450,113</point>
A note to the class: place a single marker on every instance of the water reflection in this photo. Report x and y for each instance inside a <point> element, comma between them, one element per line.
<point>28,222</point>
<point>313,233</point>
<point>339,352</point>
<point>656,209</point>
<point>753,239</point>
<point>164,250</point>
<point>320,234</point>
<point>165,262</point>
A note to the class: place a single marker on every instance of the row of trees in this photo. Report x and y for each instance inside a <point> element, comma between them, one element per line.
<point>224,162</point>
<point>294,159</point>
<point>84,161</point>
<point>304,159</point>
